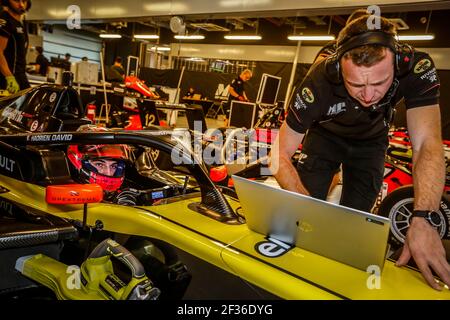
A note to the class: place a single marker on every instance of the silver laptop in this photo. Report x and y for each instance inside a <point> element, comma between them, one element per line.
<point>347,235</point>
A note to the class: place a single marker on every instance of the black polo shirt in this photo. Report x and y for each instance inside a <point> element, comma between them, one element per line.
<point>238,86</point>
<point>43,64</point>
<point>16,49</point>
<point>320,103</point>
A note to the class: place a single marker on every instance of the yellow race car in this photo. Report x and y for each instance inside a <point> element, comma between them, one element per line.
<point>194,218</point>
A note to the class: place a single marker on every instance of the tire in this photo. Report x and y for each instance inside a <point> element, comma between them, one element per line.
<point>398,206</point>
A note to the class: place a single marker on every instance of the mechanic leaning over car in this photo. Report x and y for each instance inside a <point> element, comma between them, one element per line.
<point>345,106</point>
<point>13,45</point>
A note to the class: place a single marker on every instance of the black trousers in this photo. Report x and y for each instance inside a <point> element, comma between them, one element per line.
<point>362,167</point>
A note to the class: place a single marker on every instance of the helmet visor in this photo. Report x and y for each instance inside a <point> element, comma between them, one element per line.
<point>108,167</point>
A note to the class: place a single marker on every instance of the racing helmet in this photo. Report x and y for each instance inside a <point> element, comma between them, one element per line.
<point>88,159</point>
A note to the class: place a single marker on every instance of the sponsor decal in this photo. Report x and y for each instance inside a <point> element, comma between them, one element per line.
<point>336,109</point>
<point>50,137</point>
<point>272,248</point>
<point>53,97</point>
<point>307,95</point>
<point>6,163</point>
<point>19,30</point>
<point>422,66</point>
<point>12,114</point>
<point>299,104</point>
<point>430,75</point>
<point>34,125</point>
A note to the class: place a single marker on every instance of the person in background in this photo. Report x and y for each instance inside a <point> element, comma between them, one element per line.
<point>67,57</point>
<point>116,72</point>
<point>85,59</point>
<point>236,90</point>
<point>42,62</point>
<point>13,45</point>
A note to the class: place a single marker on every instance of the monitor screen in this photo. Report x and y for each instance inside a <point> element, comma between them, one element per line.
<point>268,89</point>
<point>218,66</point>
<point>242,114</point>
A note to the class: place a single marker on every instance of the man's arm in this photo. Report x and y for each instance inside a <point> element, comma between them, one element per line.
<point>422,241</point>
<point>233,92</point>
<point>4,68</point>
<point>285,145</point>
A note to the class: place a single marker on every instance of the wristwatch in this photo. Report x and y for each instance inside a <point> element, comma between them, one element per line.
<point>432,217</point>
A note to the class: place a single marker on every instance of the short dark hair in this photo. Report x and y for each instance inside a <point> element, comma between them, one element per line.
<point>356,14</point>
<point>366,55</point>
<point>67,55</point>
<point>118,60</point>
<point>39,49</point>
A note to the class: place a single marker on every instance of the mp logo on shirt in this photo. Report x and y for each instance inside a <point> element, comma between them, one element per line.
<point>336,109</point>
<point>422,66</point>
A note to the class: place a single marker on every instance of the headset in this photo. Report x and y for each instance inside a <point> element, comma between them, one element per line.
<point>404,53</point>
<point>5,3</point>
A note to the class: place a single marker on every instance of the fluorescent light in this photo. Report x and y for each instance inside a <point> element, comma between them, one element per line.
<point>110,36</point>
<point>416,37</point>
<point>160,48</point>
<point>189,37</point>
<point>146,36</point>
<point>242,37</point>
<point>311,38</point>
<point>196,59</point>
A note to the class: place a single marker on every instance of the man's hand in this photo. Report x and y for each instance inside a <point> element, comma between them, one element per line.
<point>11,84</point>
<point>425,246</point>
<point>242,98</point>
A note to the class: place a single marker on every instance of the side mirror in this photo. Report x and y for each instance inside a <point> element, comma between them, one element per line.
<point>73,194</point>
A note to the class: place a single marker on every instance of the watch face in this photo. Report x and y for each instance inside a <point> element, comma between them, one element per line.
<point>434,218</point>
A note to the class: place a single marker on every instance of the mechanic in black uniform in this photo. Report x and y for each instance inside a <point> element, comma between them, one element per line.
<point>346,104</point>
<point>236,89</point>
<point>13,45</point>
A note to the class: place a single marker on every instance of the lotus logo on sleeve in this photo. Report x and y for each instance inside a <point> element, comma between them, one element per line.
<point>307,95</point>
<point>422,66</point>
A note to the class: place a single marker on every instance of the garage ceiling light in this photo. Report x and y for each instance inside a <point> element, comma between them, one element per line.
<point>416,37</point>
<point>311,38</point>
<point>146,36</point>
<point>110,36</point>
<point>160,48</point>
<point>189,37</point>
<point>242,37</point>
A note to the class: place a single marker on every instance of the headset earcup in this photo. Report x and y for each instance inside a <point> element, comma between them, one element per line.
<point>404,59</point>
<point>332,69</point>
